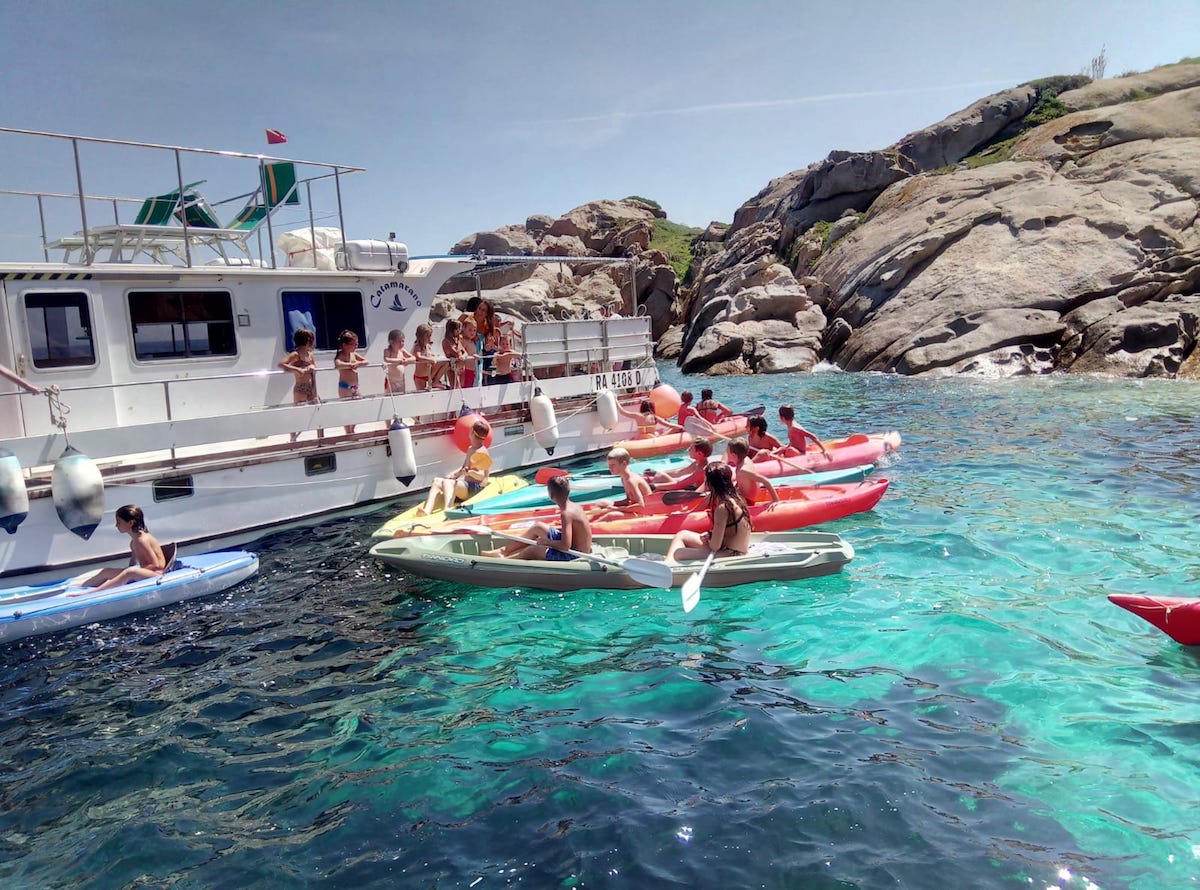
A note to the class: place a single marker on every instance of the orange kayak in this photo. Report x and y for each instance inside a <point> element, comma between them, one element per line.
<point>797,508</point>
<point>668,442</point>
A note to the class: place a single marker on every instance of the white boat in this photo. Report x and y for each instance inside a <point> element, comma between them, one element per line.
<point>162,336</point>
<point>58,605</point>
<point>621,562</point>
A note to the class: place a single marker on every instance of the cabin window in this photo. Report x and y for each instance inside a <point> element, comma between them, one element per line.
<point>326,313</point>
<point>172,488</point>
<point>320,464</point>
<point>60,330</point>
<point>181,324</point>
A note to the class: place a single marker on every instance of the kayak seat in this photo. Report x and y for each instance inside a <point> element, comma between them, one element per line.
<point>614,553</point>
<point>169,557</point>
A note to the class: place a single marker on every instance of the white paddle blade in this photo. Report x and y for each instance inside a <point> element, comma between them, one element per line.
<point>691,593</point>
<point>698,426</point>
<point>649,573</point>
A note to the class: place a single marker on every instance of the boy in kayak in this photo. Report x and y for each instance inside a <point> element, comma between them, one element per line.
<point>685,407</point>
<point>691,475</point>
<point>637,489</point>
<point>798,434</point>
<point>552,542</point>
<point>748,480</point>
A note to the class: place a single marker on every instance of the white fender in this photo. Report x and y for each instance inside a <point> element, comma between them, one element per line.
<point>78,491</point>
<point>545,421</point>
<point>404,461</point>
<point>606,407</point>
<point>14,499</point>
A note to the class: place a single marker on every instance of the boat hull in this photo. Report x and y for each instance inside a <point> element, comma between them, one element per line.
<point>46,608</point>
<point>780,557</point>
<point>1177,617</point>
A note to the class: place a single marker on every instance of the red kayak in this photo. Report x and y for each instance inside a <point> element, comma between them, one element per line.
<point>1178,617</point>
<point>849,452</point>
<point>797,508</point>
<point>668,442</point>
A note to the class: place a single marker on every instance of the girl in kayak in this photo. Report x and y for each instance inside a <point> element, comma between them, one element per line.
<point>467,480</point>
<point>710,409</point>
<point>731,529</point>
<point>146,557</point>
<point>647,421</point>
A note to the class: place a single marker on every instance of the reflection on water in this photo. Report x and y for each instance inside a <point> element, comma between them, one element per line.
<point>960,706</point>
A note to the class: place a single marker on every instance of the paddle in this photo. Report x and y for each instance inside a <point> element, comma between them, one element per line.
<point>753,412</point>
<point>682,496</point>
<point>643,571</point>
<point>545,474</point>
<point>691,587</point>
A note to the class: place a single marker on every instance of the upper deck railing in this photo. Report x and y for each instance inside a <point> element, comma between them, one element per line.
<point>186,237</point>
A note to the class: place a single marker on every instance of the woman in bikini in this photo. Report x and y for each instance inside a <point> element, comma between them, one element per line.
<point>647,421</point>
<point>730,535</point>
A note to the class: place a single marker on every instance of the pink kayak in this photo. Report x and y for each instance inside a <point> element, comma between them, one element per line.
<point>1178,617</point>
<point>849,452</point>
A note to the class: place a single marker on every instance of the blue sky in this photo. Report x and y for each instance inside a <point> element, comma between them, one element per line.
<point>473,115</point>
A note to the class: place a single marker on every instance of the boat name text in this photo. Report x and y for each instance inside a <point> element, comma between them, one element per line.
<point>394,289</point>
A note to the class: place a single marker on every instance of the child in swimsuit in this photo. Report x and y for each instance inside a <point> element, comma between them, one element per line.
<point>470,350</point>
<point>469,479</point>
<point>797,435</point>
<point>710,409</point>
<point>648,422</point>
<point>395,357</point>
<point>303,365</point>
<point>503,359</point>
<point>347,361</point>
<point>146,557</point>
<point>552,542</point>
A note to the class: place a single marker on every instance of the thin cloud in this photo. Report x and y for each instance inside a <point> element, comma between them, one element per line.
<point>618,117</point>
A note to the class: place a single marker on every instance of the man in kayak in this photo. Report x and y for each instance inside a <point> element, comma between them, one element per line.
<point>689,476</point>
<point>798,434</point>
<point>637,489</point>
<point>553,542</point>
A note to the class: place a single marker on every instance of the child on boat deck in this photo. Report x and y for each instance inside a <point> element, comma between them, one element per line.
<point>552,542</point>
<point>395,357</point>
<point>427,371</point>
<point>648,421</point>
<point>467,480</point>
<point>347,361</point>
<point>452,349</point>
<point>637,489</point>
<point>503,359</point>
<point>470,351</point>
<point>146,558</point>
<point>303,365</point>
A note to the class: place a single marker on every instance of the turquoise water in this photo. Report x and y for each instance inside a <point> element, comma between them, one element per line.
<point>961,707</point>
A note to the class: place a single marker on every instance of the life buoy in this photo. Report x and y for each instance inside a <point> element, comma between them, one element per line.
<point>14,498</point>
<point>606,407</point>
<point>404,460</point>
<point>462,431</point>
<point>78,491</point>
<point>545,421</point>
<point>666,400</point>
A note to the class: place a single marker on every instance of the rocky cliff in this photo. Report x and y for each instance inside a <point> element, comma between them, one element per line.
<point>1052,226</point>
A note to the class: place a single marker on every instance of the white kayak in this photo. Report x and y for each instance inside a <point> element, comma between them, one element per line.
<point>621,562</point>
<point>58,605</point>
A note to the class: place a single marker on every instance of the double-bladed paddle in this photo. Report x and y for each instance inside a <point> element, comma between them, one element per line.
<point>691,587</point>
<point>698,426</point>
<point>643,571</point>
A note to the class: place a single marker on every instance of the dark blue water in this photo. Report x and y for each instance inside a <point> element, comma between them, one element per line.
<point>961,707</point>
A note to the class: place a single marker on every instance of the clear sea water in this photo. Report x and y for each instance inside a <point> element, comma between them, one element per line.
<point>960,708</point>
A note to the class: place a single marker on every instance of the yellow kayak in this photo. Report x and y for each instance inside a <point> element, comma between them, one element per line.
<point>410,517</point>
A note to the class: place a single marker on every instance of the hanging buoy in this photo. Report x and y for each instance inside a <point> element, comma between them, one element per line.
<point>14,499</point>
<point>462,431</point>
<point>606,407</point>
<point>404,461</point>
<point>666,400</point>
<point>545,422</point>
<point>78,491</point>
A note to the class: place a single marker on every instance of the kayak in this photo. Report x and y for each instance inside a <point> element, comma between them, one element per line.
<point>588,489</point>
<point>777,557</point>
<point>797,507</point>
<point>1177,617</point>
<point>669,442</point>
<point>851,451</point>
<point>496,486</point>
<point>45,608</point>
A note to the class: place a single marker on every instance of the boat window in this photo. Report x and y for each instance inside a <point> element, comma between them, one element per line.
<point>60,330</point>
<point>174,487</point>
<point>181,324</point>
<point>320,464</point>
<point>326,313</point>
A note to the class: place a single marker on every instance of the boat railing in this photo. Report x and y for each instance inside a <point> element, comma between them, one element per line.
<point>186,243</point>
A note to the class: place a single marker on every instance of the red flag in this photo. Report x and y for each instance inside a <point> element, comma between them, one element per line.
<point>274,137</point>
